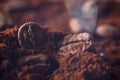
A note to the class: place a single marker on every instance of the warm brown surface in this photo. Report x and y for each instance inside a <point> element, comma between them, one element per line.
<point>81,66</point>
<point>84,66</point>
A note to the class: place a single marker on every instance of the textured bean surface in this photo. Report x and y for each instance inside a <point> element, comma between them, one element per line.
<point>73,43</point>
<point>35,63</point>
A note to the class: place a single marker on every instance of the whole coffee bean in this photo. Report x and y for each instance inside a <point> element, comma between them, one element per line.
<point>107,31</point>
<point>35,63</point>
<point>89,9</point>
<point>2,20</point>
<point>31,35</point>
<point>74,43</point>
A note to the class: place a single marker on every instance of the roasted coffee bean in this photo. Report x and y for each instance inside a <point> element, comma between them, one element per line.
<point>73,43</point>
<point>2,20</point>
<point>35,63</point>
<point>31,35</point>
<point>107,31</point>
<point>89,9</point>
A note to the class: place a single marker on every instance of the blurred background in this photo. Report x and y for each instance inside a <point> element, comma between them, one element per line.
<point>51,13</point>
<point>68,16</point>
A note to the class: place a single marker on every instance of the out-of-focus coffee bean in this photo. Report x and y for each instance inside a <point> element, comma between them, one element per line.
<point>107,30</point>
<point>2,20</point>
<point>89,9</point>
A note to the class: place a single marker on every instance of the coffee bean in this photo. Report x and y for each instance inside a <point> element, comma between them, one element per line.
<point>107,31</point>
<point>35,63</point>
<point>2,20</point>
<point>31,35</point>
<point>74,43</point>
